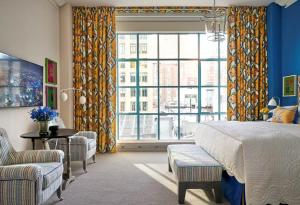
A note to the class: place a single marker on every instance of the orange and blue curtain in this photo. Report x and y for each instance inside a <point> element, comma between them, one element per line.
<point>94,72</point>
<point>247,63</point>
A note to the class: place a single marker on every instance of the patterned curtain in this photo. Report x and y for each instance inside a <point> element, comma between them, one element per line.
<point>94,71</point>
<point>247,63</point>
<point>198,11</point>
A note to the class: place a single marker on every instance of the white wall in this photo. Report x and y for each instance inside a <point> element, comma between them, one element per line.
<point>65,17</point>
<point>28,30</point>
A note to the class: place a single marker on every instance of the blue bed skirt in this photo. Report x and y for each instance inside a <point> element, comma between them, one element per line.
<point>233,191</point>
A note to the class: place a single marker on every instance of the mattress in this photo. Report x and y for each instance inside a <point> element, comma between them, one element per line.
<point>264,156</point>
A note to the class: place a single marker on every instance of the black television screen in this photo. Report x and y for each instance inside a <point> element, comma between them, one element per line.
<point>21,82</point>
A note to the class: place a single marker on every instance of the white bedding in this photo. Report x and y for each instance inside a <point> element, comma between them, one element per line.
<point>263,155</point>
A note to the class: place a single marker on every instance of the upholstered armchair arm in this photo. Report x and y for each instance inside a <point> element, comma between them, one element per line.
<point>77,139</point>
<point>87,134</point>
<point>20,172</point>
<point>37,156</point>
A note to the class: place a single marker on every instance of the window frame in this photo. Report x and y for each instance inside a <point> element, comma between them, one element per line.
<point>139,87</point>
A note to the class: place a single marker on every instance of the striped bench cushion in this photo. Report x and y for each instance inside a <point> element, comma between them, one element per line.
<point>191,163</point>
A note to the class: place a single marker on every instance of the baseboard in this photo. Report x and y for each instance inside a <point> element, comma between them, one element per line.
<point>146,146</point>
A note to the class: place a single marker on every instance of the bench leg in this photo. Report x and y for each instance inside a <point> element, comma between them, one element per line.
<point>182,186</point>
<point>218,193</point>
<point>169,166</point>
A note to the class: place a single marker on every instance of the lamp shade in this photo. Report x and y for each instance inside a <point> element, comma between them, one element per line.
<point>64,96</point>
<point>82,100</point>
<point>272,102</point>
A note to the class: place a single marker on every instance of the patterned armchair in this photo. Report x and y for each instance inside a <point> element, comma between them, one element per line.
<point>28,177</point>
<point>83,145</point>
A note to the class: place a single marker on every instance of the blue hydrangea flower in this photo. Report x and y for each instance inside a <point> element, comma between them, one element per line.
<point>43,114</point>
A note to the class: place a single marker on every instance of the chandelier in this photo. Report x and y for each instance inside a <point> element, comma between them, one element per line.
<point>215,24</point>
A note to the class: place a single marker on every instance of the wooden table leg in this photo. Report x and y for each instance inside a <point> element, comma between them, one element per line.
<point>33,143</point>
<point>68,177</point>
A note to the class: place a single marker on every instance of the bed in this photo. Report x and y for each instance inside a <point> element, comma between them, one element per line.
<point>264,156</point>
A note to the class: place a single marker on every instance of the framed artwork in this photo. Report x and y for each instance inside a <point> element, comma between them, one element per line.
<point>51,97</point>
<point>51,71</point>
<point>289,86</point>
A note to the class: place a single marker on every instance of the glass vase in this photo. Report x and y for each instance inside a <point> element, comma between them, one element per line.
<point>265,117</point>
<point>44,127</point>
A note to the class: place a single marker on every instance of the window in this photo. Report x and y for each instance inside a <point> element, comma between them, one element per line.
<point>122,92</point>
<point>144,77</point>
<point>174,79</point>
<point>143,48</point>
<point>122,65</point>
<point>132,105</point>
<point>144,106</point>
<point>132,92</point>
<point>132,48</point>
<point>132,77</point>
<point>122,77</point>
<point>132,65</point>
<point>122,106</point>
<point>144,92</point>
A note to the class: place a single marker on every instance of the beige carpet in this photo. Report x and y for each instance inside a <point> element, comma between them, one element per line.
<point>127,178</point>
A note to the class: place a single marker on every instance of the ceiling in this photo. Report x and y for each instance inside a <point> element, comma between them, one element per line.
<point>167,2</point>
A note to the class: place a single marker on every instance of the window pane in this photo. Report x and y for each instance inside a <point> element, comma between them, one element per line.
<point>148,100</point>
<point>148,73</point>
<point>168,72</point>
<point>223,99</point>
<point>189,73</point>
<point>208,49</point>
<point>148,127</point>
<point>188,100</point>
<point>168,127</point>
<point>168,46</point>
<point>127,45</point>
<point>128,127</point>
<point>223,73</point>
<point>189,46</point>
<point>185,127</point>
<point>204,118</point>
<point>168,100</point>
<point>148,46</point>
<point>209,99</point>
<point>209,73</point>
<point>127,73</point>
<point>127,100</point>
<point>223,48</point>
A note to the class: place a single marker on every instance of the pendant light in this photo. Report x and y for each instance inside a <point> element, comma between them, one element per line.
<point>215,24</point>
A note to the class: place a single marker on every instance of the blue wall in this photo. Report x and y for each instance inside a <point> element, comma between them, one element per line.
<point>283,25</point>
<point>290,44</point>
<point>274,50</point>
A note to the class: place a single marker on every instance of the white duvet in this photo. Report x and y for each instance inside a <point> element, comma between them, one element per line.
<point>263,155</point>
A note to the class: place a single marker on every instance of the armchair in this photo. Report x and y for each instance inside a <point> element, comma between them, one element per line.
<point>83,145</point>
<point>28,177</point>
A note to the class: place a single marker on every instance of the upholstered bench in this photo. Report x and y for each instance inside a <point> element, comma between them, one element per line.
<point>194,169</point>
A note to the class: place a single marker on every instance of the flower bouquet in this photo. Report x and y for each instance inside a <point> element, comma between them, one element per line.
<point>43,115</point>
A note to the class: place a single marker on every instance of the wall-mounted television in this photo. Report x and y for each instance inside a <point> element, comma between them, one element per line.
<point>21,82</point>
